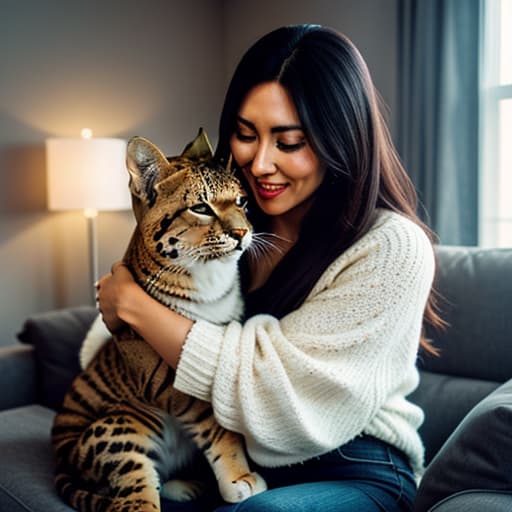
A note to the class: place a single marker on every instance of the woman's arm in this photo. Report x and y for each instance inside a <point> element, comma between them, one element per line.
<point>121,300</point>
<point>340,364</point>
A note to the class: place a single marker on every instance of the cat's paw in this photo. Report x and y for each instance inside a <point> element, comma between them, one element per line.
<point>242,488</point>
<point>182,490</point>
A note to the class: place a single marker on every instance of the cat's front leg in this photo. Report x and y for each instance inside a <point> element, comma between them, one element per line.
<point>235,480</point>
<point>223,449</point>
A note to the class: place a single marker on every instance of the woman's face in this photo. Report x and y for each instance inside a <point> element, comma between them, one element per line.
<point>270,146</point>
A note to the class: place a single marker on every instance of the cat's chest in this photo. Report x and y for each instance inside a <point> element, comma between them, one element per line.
<point>215,295</point>
<point>214,278</point>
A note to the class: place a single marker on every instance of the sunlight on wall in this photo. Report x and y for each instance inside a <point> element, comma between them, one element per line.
<point>63,107</point>
<point>496,114</point>
<point>506,42</point>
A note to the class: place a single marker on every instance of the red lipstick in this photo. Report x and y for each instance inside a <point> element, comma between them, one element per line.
<point>270,190</point>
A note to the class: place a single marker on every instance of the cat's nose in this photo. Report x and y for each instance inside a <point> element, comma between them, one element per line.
<point>238,234</point>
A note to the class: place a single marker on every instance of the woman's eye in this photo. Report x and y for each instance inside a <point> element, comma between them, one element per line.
<point>288,148</point>
<point>202,209</point>
<point>244,137</point>
<point>241,201</point>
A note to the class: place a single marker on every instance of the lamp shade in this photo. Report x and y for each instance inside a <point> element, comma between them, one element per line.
<point>87,174</point>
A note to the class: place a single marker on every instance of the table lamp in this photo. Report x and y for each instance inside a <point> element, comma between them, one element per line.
<point>87,174</point>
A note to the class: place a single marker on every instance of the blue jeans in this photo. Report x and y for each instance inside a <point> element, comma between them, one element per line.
<point>364,475</point>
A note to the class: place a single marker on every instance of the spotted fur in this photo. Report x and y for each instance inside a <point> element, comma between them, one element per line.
<point>123,430</point>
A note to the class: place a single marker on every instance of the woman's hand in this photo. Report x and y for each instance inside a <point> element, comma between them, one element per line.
<point>122,301</point>
<point>111,289</point>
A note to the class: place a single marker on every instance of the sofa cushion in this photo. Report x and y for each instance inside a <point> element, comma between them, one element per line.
<point>476,501</point>
<point>17,376</point>
<point>455,396</point>
<point>57,337</point>
<point>26,470</point>
<point>27,466</point>
<point>476,300</point>
<point>477,456</point>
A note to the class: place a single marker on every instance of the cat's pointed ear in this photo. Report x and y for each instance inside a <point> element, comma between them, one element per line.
<point>200,148</point>
<point>145,163</point>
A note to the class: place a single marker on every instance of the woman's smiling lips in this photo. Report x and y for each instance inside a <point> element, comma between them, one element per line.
<point>270,190</point>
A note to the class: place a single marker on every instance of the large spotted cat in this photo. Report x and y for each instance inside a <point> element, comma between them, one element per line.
<point>124,433</point>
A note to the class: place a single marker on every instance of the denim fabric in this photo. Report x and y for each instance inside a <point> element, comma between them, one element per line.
<point>364,475</point>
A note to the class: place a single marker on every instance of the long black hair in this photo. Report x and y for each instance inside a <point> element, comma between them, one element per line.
<point>338,107</point>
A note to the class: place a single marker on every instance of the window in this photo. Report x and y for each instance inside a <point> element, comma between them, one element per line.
<point>496,117</point>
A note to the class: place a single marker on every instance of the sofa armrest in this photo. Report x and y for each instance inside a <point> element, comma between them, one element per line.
<point>18,376</point>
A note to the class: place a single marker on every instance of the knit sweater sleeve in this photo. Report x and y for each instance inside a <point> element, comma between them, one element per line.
<point>307,383</point>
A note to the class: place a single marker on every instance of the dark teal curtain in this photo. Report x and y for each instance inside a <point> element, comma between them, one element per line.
<point>437,135</point>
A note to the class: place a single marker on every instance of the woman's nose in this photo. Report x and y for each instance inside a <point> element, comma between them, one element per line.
<point>263,162</point>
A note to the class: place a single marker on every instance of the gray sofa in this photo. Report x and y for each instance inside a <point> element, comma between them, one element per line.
<point>466,393</point>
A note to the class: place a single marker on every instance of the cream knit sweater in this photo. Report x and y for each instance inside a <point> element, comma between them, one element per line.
<point>339,366</point>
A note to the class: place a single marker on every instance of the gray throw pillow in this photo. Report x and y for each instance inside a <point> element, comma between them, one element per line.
<point>477,455</point>
<point>57,337</point>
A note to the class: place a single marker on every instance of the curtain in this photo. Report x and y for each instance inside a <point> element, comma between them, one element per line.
<point>437,122</point>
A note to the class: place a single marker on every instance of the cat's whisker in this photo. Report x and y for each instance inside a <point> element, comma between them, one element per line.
<point>261,244</point>
<point>261,248</point>
<point>272,235</point>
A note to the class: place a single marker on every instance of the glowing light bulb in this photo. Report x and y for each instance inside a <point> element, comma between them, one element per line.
<point>86,133</point>
<point>90,213</point>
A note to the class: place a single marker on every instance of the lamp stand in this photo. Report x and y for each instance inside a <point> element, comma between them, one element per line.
<point>91,215</point>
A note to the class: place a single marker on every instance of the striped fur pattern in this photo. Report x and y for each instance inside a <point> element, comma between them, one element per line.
<point>124,434</point>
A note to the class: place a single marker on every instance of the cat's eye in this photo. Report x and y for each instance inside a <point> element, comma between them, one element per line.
<point>241,201</point>
<point>202,209</point>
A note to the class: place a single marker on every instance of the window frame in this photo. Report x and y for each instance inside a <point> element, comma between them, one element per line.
<point>492,93</point>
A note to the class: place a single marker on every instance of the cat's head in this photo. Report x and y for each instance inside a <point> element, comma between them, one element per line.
<point>187,207</point>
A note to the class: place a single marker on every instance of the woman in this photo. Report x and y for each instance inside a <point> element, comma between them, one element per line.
<point>316,378</point>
